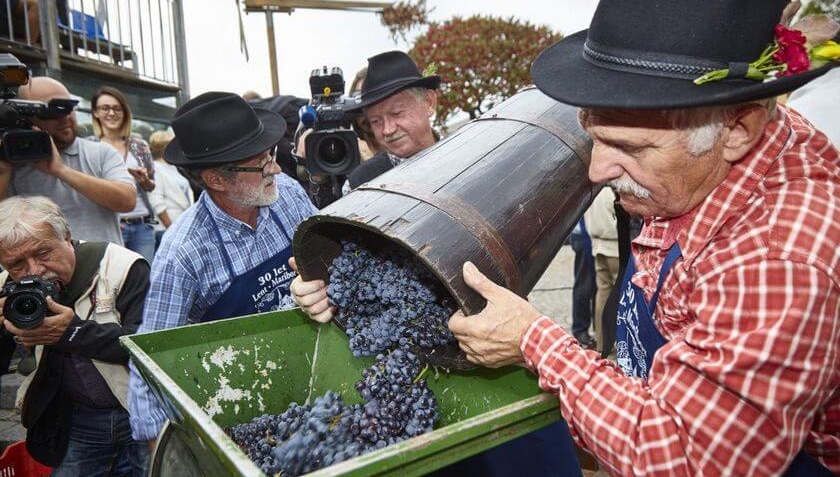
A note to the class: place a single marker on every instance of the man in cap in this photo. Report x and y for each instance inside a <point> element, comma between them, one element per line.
<point>728,328</point>
<point>213,261</point>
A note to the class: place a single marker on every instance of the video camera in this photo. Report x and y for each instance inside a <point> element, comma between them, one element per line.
<point>18,142</point>
<point>26,301</point>
<point>332,148</point>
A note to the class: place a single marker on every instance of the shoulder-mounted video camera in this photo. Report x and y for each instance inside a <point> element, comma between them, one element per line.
<point>26,301</point>
<point>18,141</point>
<point>332,148</point>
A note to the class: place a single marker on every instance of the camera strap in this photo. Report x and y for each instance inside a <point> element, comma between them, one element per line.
<point>88,257</point>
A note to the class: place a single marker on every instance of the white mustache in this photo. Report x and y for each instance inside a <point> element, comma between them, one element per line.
<point>628,185</point>
<point>394,138</point>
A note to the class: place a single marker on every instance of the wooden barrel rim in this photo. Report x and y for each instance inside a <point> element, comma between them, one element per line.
<point>575,143</point>
<point>467,216</point>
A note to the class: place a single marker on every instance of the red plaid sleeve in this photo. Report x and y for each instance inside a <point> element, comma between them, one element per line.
<point>736,396</point>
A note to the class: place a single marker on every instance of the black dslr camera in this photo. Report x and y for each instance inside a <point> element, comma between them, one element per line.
<point>332,148</point>
<point>18,142</point>
<point>26,301</point>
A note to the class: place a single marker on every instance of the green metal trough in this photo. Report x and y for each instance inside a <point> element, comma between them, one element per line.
<point>214,375</point>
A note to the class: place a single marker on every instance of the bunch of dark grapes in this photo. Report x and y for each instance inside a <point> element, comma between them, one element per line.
<point>387,300</point>
<point>398,405</point>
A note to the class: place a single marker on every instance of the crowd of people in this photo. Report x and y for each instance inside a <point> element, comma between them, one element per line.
<point>726,314</point>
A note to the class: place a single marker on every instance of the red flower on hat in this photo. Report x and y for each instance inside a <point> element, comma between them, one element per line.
<point>791,51</point>
<point>795,50</point>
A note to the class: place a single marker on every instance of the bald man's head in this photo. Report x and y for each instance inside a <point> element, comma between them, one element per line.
<point>42,88</point>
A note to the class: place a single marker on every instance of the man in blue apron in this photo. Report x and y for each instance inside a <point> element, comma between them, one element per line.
<point>227,255</point>
<point>728,324</point>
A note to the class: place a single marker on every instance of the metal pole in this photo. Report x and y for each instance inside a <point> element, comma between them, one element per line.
<point>163,49</point>
<point>173,69</point>
<point>181,51</point>
<point>272,52</point>
<point>49,33</point>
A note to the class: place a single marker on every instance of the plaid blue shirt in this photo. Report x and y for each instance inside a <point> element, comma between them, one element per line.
<point>189,274</point>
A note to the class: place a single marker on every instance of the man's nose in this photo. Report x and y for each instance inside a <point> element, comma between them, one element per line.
<point>273,168</point>
<point>34,267</point>
<point>389,127</point>
<point>602,168</point>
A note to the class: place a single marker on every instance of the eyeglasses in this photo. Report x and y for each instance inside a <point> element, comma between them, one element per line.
<point>106,109</point>
<point>261,168</point>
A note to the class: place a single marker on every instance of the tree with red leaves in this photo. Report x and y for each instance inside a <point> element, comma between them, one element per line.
<point>483,60</point>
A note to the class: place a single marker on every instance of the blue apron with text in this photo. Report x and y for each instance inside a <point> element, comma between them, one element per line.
<point>263,288</point>
<point>637,340</point>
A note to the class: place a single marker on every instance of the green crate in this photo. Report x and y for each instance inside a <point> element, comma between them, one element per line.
<point>227,372</point>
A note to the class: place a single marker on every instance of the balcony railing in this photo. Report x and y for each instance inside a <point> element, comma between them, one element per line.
<point>139,37</point>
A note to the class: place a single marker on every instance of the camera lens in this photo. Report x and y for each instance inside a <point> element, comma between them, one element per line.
<point>24,146</point>
<point>332,150</point>
<point>25,306</point>
<point>25,309</point>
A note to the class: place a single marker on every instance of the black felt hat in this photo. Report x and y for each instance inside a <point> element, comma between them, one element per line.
<point>389,73</point>
<point>220,128</point>
<point>645,54</point>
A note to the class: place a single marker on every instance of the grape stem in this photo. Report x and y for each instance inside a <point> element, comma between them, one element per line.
<point>419,376</point>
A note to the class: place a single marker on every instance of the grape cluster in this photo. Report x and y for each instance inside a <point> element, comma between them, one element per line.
<point>387,299</point>
<point>398,405</point>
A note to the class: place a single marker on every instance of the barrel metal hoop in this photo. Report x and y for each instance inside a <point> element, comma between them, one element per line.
<point>464,214</point>
<point>577,144</point>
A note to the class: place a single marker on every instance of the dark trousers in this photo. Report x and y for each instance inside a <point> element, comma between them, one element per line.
<point>101,446</point>
<point>583,291</point>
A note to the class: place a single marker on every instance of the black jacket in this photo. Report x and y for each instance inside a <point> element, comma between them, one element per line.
<point>369,169</point>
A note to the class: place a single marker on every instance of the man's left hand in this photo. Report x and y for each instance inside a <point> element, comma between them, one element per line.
<point>48,332</point>
<point>491,338</point>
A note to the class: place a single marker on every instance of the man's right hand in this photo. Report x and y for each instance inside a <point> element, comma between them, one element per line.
<point>52,166</point>
<point>311,296</point>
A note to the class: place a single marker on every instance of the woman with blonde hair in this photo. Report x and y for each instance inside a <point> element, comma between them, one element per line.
<point>112,124</point>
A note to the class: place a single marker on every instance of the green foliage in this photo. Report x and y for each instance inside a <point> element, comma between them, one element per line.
<point>482,60</point>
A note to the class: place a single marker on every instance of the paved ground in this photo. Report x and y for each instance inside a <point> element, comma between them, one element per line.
<point>552,295</point>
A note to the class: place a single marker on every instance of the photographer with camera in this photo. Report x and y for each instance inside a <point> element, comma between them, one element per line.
<point>88,180</point>
<point>71,300</point>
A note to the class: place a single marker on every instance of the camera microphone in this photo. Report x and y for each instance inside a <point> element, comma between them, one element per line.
<point>308,116</point>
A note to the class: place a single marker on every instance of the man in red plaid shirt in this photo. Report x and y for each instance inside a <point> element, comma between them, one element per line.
<point>728,323</point>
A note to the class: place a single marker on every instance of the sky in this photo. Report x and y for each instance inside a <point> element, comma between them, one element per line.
<point>309,39</point>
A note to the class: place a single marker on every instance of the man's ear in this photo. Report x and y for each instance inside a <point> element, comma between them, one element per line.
<point>214,181</point>
<point>743,131</point>
<point>431,101</point>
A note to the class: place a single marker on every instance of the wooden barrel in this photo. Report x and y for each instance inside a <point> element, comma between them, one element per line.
<point>504,191</point>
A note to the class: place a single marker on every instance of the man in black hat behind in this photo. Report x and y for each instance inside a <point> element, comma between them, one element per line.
<point>398,102</point>
<point>728,322</point>
<point>227,254</point>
